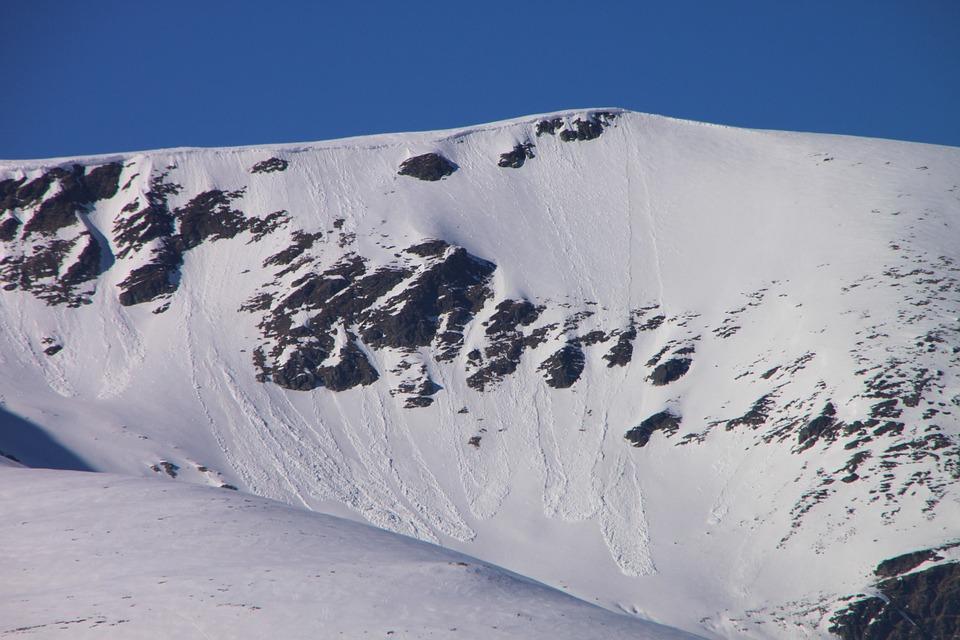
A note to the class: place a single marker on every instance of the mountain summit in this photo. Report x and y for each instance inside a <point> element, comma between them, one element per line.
<point>702,375</point>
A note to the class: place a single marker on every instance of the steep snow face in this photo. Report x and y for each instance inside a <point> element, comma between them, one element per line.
<point>97,555</point>
<point>704,375</point>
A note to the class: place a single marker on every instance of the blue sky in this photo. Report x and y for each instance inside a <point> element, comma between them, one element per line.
<point>101,76</point>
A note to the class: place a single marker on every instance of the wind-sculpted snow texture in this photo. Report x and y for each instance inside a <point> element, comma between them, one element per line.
<point>703,375</point>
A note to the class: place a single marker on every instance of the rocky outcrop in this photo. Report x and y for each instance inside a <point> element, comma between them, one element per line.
<point>589,127</point>
<point>515,158</point>
<point>207,217</point>
<point>665,421</point>
<point>429,166</point>
<point>507,343</point>
<point>914,606</point>
<point>564,367</point>
<point>431,299</point>
<point>670,371</point>
<point>45,256</point>
<point>270,165</point>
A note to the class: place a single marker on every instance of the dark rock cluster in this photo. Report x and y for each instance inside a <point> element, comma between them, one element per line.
<point>507,342</point>
<point>580,129</point>
<point>921,605</point>
<point>429,166</point>
<point>430,305</point>
<point>270,165</point>
<point>665,421</point>
<point>208,216</point>
<point>54,201</point>
<point>515,158</point>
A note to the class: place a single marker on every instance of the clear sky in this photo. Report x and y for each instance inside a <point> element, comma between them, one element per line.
<point>81,77</point>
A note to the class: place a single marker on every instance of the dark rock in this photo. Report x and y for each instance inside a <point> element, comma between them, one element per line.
<point>8,229</point>
<point>167,467</point>
<point>621,353</point>
<point>269,166</point>
<point>580,129</point>
<point>455,287</point>
<point>209,216</point>
<point>665,421</point>
<point>87,265</point>
<point>652,323</point>
<point>474,441</point>
<point>510,314</point>
<point>416,402</point>
<point>160,276</point>
<point>902,564</point>
<point>825,426</point>
<point>260,227</point>
<point>432,303</point>
<point>886,409</point>
<point>514,159</point>
<point>895,428</point>
<point>52,349</point>
<point>352,370</point>
<point>670,371</point>
<point>428,249</point>
<point>917,606</point>
<point>507,342</point>
<point>301,242</point>
<point>102,183</point>
<point>564,367</point>
<point>756,416</point>
<point>77,192</point>
<point>429,167</point>
<point>550,126</point>
<point>8,193</point>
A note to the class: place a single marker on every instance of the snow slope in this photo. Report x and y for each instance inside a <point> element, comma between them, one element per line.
<point>282,319</point>
<point>99,555</point>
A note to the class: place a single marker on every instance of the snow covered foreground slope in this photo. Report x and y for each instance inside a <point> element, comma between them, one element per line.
<point>97,555</point>
<point>702,375</point>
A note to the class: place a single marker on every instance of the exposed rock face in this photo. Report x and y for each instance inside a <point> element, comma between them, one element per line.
<point>429,166</point>
<point>621,353</point>
<point>580,129</point>
<point>270,165</point>
<point>209,216</point>
<point>507,342</point>
<point>907,562</point>
<point>436,297</point>
<point>665,421</point>
<point>823,426</point>
<point>915,606</point>
<point>564,367</point>
<point>514,159</point>
<point>670,371</point>
<point>51,260</point>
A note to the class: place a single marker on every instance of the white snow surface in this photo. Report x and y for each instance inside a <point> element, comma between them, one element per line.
<point>822,259</point>
<point>93,555</point>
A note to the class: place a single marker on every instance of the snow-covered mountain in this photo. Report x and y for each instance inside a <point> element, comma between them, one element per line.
<point>700,375</point>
